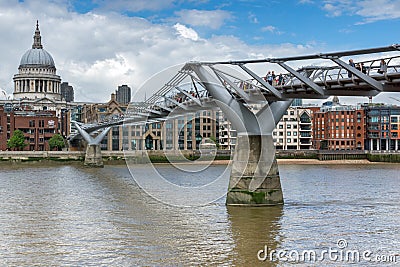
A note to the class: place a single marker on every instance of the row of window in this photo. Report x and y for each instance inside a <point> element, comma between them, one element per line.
<point>282,133</point>
<point>288,126</point>
<point>288,140</point>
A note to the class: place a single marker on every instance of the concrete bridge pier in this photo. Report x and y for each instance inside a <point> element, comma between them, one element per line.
<point>93,157</point>
<point>254,179</point>
<point>255,176</point>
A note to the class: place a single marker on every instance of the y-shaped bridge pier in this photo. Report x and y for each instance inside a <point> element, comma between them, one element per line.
<point>254,105</point>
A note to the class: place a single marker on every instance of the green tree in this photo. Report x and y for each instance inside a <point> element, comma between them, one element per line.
<point>56,141</point>
<point>17,140</point>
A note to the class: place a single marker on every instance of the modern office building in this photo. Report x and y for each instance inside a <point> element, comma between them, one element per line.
<point>297,102</point>
<point>123,94</point>
<point>67,92</point>
<point>382,127</point>
<point>227,135</point>
<point>187,132</point>
<point>294,130</point>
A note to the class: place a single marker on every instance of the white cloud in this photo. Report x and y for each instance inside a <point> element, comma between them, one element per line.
<point>369,10</point>
<point>268,28</point>
<point>97,51</point>
<point>213,19</point>
<point>186,32</point>
<point>253,18</point>
<point>379,10</point>
<point>271,29</point>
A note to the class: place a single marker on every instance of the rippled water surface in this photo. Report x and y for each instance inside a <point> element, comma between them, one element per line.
<point>70,215</point>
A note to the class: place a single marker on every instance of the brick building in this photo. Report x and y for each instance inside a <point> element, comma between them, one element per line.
<point>37,126</point>
<point>338,127</point>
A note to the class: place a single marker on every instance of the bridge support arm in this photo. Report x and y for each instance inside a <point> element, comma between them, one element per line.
<point>254,179</point>
<point>302,78</point>
<point>93,157</point>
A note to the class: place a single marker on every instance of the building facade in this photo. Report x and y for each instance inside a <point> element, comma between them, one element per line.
<point>294,130</point>
<point>123,94</point>
<point>38,127</point>
<point>187,132</point>
<point>339,127</point>
<point>382,127</point>
<point>67,92</point>
<point>227,135</point>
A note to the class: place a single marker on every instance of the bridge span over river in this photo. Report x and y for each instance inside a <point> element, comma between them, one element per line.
<point>236,88</point>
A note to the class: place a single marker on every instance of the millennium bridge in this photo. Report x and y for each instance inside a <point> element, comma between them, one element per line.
<point>236,89</point>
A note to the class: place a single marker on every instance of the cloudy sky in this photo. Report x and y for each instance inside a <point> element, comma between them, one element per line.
<point>100,44</point>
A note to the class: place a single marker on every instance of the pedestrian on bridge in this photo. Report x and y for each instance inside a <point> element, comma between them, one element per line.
<point>351,63</point>
<point>382,67</point>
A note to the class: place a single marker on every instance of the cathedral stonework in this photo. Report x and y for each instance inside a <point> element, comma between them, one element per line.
<point>37,76</point>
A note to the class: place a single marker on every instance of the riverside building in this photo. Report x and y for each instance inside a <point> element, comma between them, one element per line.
<point>338,127</point>
<point>38,127</point>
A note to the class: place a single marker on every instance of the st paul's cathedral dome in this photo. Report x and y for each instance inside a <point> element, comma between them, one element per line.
<point>37,76</point>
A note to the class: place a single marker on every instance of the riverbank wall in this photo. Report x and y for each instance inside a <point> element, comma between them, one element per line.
<point>111,157</point>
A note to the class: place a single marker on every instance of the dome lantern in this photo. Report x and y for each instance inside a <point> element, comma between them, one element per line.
<point>37,39</point>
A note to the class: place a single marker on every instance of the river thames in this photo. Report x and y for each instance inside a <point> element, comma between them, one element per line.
<point>75,216</point>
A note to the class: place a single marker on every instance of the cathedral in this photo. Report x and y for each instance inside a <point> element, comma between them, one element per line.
<point>37,76</point>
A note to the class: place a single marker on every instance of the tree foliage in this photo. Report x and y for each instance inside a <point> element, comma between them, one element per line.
<point>56,141</point>
<point>17,140</point>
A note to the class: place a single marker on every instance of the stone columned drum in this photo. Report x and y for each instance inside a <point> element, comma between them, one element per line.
<point>37,76</point>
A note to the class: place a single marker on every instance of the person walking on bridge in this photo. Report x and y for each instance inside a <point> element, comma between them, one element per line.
<point>382,67</point>
<point>351,63</point>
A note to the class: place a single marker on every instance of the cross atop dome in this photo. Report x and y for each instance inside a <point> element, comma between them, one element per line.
<point>37,39</point>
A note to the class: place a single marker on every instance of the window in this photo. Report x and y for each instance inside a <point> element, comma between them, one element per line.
<point>280,126</point>
<point>289,140</point>
<point>289,126</point>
